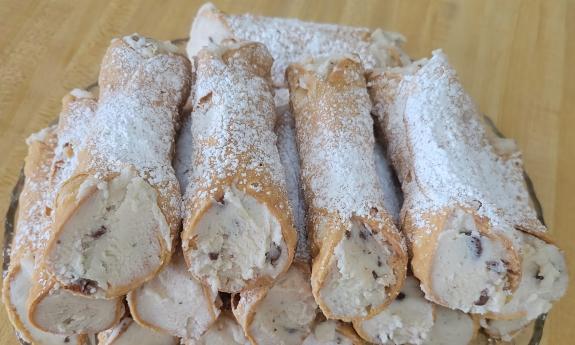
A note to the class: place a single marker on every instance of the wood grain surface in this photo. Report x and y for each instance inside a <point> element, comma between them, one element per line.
<point>515,58</point>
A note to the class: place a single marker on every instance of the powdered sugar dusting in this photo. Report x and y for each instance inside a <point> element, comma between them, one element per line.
<point>392,196</point>
<point>34,210</point>
<point>443,152</point>
<point>73,129</point>
<point>233,121</point>
<point>138,114</point>
<point>183,159</point>
<point>290,160</point>
<point>336,151</point>
<point>292,40</point>
<point>56,164</point>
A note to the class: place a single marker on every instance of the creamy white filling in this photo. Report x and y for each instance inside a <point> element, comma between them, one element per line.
<point>359,275</point>
<point>504,329</point>
<point>67,313</point>
<point>113,238</point>
<point>469,271</point>
<point>407,320</point>
<point>450,327</point>
<point>326,333</point>
<point>129,332</point>
<point>19,289</point>
<point>237,239</point>
<point>175,301</point>
<point>286,313</point>
<point>226,331</point>
<point>543,280</point>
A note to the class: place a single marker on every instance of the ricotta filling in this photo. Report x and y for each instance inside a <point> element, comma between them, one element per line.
<point>236,240</point>
<point>469,270</point>
<point>359,275</point>
<point>129,333</point>
<point>286,313</point>
<point>226,331</point>
<point>114,238</point>
<point>543,280</point>
<point>64,312</point>
<point>326,333</point>
<point>407,320</point>
<point>176,302</point>
<point>450,327</point>
<point>20,286</point>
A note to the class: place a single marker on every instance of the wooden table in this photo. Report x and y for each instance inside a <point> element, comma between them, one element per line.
<point>515,58</point>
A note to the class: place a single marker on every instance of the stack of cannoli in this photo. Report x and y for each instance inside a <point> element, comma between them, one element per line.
<point>100,208</point>
<point>290,40</point>
<point>476,241</point>
<point>285,183</point>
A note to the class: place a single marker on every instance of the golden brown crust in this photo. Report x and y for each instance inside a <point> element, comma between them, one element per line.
<point>44,283</point>
<point>244,308</point>
<point>36,168</point>
<point>15,320</point>
<point>32,212</point>
<point>313,97</point>
<point>268,192</point>
<point>129,68</point>
<point>246,303</point>
<point>133,305</point>
<point>422,239</point>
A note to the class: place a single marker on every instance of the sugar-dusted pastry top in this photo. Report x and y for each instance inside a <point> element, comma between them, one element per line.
<point>291,40</point>
<point>239,122</point>
<point>183,156</point>
<point>453,159</point>
<point>141,101</point>
<point>338,150</point>
<point>34,216</point>
<point>287,147</point>
<point>64,139</point>
<point>392,196</point>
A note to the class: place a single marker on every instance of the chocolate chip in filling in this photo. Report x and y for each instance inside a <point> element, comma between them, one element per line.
<point>483,298</point>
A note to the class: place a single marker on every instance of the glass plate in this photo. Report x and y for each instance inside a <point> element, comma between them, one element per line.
<point>530,335</point>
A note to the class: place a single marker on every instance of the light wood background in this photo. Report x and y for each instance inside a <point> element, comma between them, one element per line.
<point>515,58</point>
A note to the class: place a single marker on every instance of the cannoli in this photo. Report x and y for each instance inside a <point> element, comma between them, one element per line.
<point>290,40</point>
<point>451,327</point>
<point>226,331</point>
<point>238,226</point>
<point>332,332</point>
<point>281,314</point>
<point>175,302</point>
<point>116,217</point>
<point>544,280</point>
<point>407,320</point>
<point>33,220</point>
<point>463,199</point>
<point>52,307</point>
<point>128,332</point>
<point>359,258</point>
